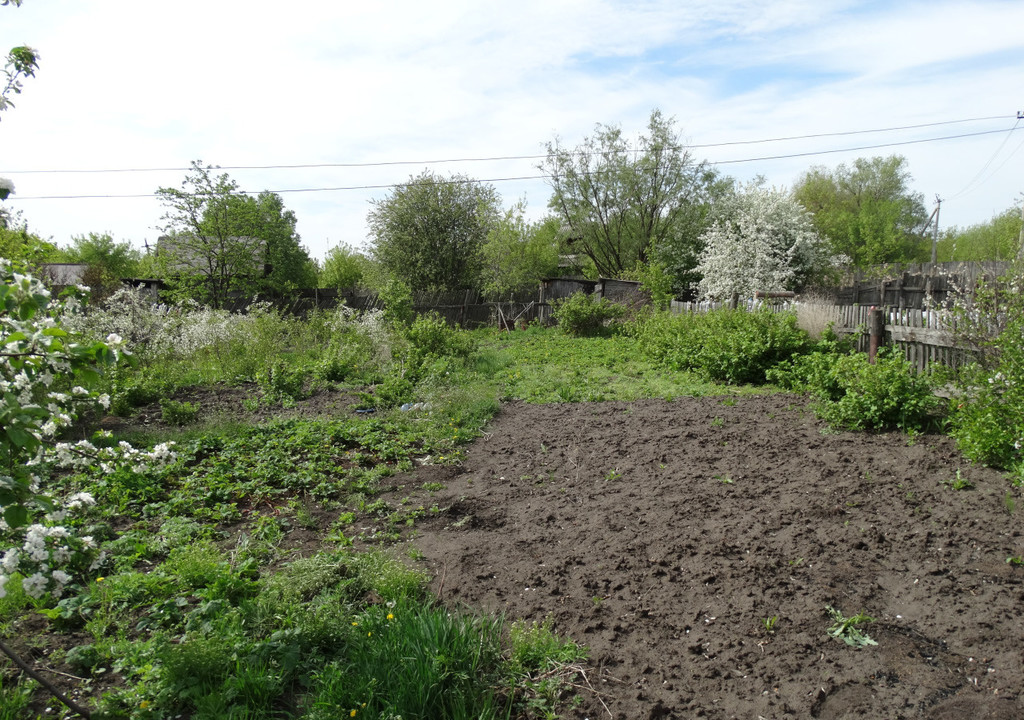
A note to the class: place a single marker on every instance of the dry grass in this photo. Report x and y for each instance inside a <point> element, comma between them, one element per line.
<point>814,313</point>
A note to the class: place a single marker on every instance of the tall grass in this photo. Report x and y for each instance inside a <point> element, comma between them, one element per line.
<point>814,315</point>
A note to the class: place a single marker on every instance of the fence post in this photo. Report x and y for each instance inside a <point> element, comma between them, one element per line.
<point>875,329</point>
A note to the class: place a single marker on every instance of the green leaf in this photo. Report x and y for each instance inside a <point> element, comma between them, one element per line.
<point>18,436</point>
<point>16,515</point>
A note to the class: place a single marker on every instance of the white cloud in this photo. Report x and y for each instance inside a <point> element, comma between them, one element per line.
<point>126,84</point>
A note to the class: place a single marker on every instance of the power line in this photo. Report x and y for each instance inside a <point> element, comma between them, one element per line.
<point>867,147</point>
<point>533,177</point>
<point>390,163</point>
<point>976,181</point>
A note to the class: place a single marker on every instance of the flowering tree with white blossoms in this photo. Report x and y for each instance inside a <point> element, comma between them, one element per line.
<point>761,239</point>
<point>42,372</point>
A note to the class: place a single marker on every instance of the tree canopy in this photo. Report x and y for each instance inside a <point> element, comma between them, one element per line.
<point>25,249</point>
<point>429,232</point>
<point>344,267</point>
<point>517,254</point>
<point>761,238</point>
<point>997,239</point>
<point>618,200</point>
<point>109,261</point>
<point>867,211</point>
<point>220,241</point>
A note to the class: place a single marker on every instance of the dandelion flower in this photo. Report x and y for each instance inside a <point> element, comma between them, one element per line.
<point>391,616</point>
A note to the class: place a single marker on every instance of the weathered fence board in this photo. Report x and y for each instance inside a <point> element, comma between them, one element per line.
<point>926,337</point>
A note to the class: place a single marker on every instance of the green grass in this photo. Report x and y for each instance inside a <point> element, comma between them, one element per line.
<point>548,366</point>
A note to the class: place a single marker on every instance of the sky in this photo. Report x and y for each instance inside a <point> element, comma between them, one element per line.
<point>374,93</point>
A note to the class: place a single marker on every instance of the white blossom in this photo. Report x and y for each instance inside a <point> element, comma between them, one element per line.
<point>10,561</point>
<point>761,239</point>
<point>35,585</point>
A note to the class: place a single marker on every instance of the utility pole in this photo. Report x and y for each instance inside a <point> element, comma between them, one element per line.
<point>935,229</point>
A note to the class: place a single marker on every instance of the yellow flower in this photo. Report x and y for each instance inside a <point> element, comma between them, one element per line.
<point>144,704</point>
<point>352,714</point>
<point>100,579</point>
<point>391,616</point>
<point>369,634</point>
<point>354,623</point>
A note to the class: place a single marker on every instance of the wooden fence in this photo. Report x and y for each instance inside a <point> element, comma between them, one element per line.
<point>914,285</point>
<point>926,337</point>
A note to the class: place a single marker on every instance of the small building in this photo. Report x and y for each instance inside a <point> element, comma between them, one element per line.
<point>63,275</point>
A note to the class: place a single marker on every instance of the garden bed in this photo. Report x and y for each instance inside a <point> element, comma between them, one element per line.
<point>666,536</point>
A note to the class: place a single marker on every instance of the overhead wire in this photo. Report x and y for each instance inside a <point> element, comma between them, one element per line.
<point>389,163</point>
<point>348,188</point>
<point>977,181</point>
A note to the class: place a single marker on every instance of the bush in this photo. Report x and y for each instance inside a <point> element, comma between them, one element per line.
<point>173,412</point>
<point>282,382</point>
<point>988,414</point>
<point>731,346</point>
<point>853,394</point>
<point>128,393</point>
<point>584,315</point>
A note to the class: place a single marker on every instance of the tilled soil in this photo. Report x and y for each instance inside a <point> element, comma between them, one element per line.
<point>663,534</point>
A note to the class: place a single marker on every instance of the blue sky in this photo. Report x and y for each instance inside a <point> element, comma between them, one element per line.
<point>131,85</point>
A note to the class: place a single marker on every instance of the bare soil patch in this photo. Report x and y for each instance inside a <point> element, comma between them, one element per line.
<point>662,534</point>
<point>228,403</point>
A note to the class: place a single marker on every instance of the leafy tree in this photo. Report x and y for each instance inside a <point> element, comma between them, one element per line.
<point>619,201</point>
<point>867,212</point>
<point>344,267</point>
<point>761,239</point>
<point>220,241</point>
<point>287,261</point>
<point>430,231</point>
<point>997,239</point>
<point>518,254</point>
<point>109,261</point>
<point>118,259</point>
<point>678,254</point>
<point>25,249</point>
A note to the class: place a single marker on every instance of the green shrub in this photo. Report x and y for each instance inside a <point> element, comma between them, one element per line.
<point>731,346</point>
<point>431,339</point>
<point>396,297</point>
<point>282,382</point>
<point>989,425</point>
<point>129,392</point>
<point>173,412</point>
<point>853,394</point>
<point>988,412</point>
<point>394,391</point>
<point>584,315</point>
